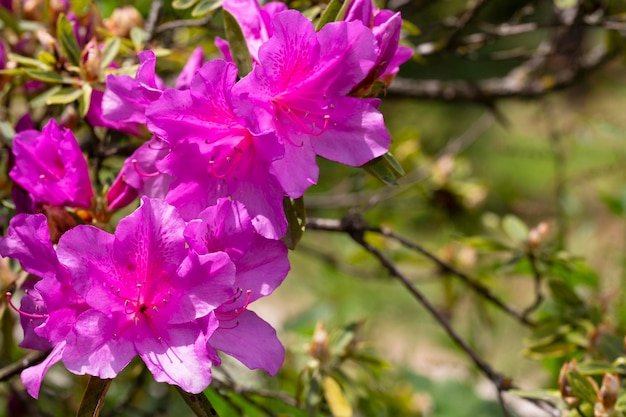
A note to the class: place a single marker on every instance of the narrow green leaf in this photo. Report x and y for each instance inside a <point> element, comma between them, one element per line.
<point>13,71</point>
<point>41,99</point>
<point>109,52</point>
<point>198,403</point>
<point>65,96</point>
<point>385,168</point>
<point>329,15</point>
<point>296,219</point>
<point>484,243</point>
<point>342,12</point>
<point>205,7</point>
<point>69,45</point>
<point>336,399</point>
<point>237,43</point>
<point>564,294</point>
<point>410,28</point>
<point>93,399</point>
<point>183,4</point>
<point>138,36</point>
<point>50,77</point>
<point>28,62</point>
<point>565,4</point>
<point>46,58</point>
<point>515,228</point>
<point>313,393</point>
<point>9,20</point>
<point>84,101</point>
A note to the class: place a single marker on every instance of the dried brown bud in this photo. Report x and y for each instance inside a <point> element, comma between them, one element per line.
<point>123,20</point>
<point>319,347</point>
<point>609,391</point>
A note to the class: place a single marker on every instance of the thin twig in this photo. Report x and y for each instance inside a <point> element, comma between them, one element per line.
<point>153,18</point>
<point>538,279</point>
<point>30,359</point>
<point>178,24</point>
<point>336,225</point>
<point>461,23</point>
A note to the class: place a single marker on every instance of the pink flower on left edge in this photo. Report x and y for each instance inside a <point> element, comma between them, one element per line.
<point>50,165</point>
<point>145,291</point>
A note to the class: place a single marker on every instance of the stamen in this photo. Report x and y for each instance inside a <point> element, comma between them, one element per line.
<point>231,327</point>
<point>232,159</point>
<point>143,174</point>
<point>23,313</point>
<point>236,312</point>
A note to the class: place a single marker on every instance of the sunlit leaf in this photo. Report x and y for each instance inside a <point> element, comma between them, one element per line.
<point>109,52</point>
<point>138,36</point>
<point>183,4</point>
<point>81,7</point>
<point>84,101</point>
<point>93,399</point>
<point>329,14</point>
<point>484,243</point>
<point>336,399</point>
<point>205,7</point>
<point>237,44</point>
<point>41,99</point>
<point>565,4</point>
<point>563,293</point>
<point>49,77</point>
<point>515,228</point>
<point>69,45</point>
<point>28,62</point>
<point>65,96</point>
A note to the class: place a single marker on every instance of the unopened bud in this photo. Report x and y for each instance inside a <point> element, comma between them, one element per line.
<point>609,391</point>
<point>33,10</point>
<point>90,60</point>
<point>564,386</point>
<point>537,235</point>
<point>123,20</point>
<point>319,347</point>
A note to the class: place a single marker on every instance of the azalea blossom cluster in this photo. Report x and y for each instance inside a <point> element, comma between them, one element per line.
<point>172,284</point>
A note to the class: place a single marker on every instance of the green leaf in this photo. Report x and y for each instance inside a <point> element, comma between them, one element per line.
<point>138,36</point>
<point>342,12</point>
<point>28,62</point>
<point>329,15</point>
<point>69,45</point>
<point>237,44</point>
<point>9,20</point>
<point>109,52</point>
<point>565,4</point>
<point>598,368</point>
<point>41,99</point>
<point>581,387</point>
<point>199,403</point>
<point>551,396</point>
<point>515,228</point>
<point>49,77</point>
<point>484,243</point>
<point>564,294</point>
<point>410,28</point>
<point>296,219</point>
<point>337,401</point>
<point>84,101</point>
<point>205,7</point>
<point>385,168</point>
<point>80,7</point>
<point>65,96</point>
<point>183,4</point>
<point>93,399</point>
<point>313,393</point>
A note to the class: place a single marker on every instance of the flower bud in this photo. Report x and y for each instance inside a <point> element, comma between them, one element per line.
<point>319,347</point>
<point>123,20</point>
<point>564,386</point>
<point>609,391</point>
<point>537,235</point>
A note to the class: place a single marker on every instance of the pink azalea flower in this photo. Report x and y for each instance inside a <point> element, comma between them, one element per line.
<point>385,26</point>
<point>139,176</point>
<point>145,291</point>
<point>50,165</point>
<point>261,266</point>
<point>48,311</point>
<point>213,155</point>
<point>255,22</point>
<point>300,90</point>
